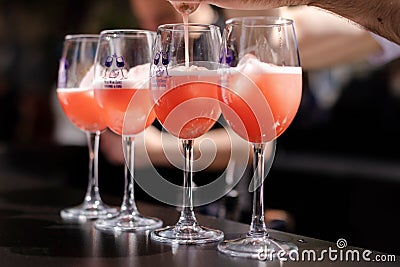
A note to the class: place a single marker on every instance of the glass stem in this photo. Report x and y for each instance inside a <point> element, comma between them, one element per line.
<point>187,217</point>
<point>92,193</point>
<point>128,203</point>
<point>258,227</point>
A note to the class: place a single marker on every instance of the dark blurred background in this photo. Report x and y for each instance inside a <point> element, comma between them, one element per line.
<point>31,36</point>
<point>337,168</point>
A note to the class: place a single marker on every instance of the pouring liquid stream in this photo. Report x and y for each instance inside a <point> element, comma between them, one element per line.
<point>185,9</point>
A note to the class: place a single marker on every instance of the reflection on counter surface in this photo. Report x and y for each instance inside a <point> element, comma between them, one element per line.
<point>32,232</point>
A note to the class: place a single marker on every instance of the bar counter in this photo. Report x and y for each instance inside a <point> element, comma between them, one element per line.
<point>33,234</point>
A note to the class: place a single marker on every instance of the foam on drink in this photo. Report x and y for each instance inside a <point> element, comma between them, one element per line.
<point>192,71</point>
<point>251,64</point>
<point>240,77</point>
<point>137,77</point>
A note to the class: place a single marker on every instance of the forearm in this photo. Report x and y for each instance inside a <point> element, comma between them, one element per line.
<point>380,16</point>
<point>348,49</point>
<point>319,33</point>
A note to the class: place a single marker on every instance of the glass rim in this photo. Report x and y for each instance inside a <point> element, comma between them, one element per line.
<point>171,27</point>
<point>119,31</point>
<point>81,36</point>
<point>260,21</point>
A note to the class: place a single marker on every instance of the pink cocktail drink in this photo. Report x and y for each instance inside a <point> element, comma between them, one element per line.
<point>261,100</point>
<point>189,105</point>
<point>126,105</point>
<point>121,116</point>
<point>81,108</point>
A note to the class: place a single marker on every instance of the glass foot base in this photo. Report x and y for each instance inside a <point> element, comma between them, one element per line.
<point>261,248</point>
<point>127,222</point>
<point>85,212</point>
<point>188,235</point>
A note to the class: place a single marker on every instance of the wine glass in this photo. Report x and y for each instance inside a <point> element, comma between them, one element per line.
<point>261,93</point>
<point>75,94</point>
<point>184,85</point>
<point>122,75</point>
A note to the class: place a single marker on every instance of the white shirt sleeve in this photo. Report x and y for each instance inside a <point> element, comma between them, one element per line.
<point>390,51</point>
